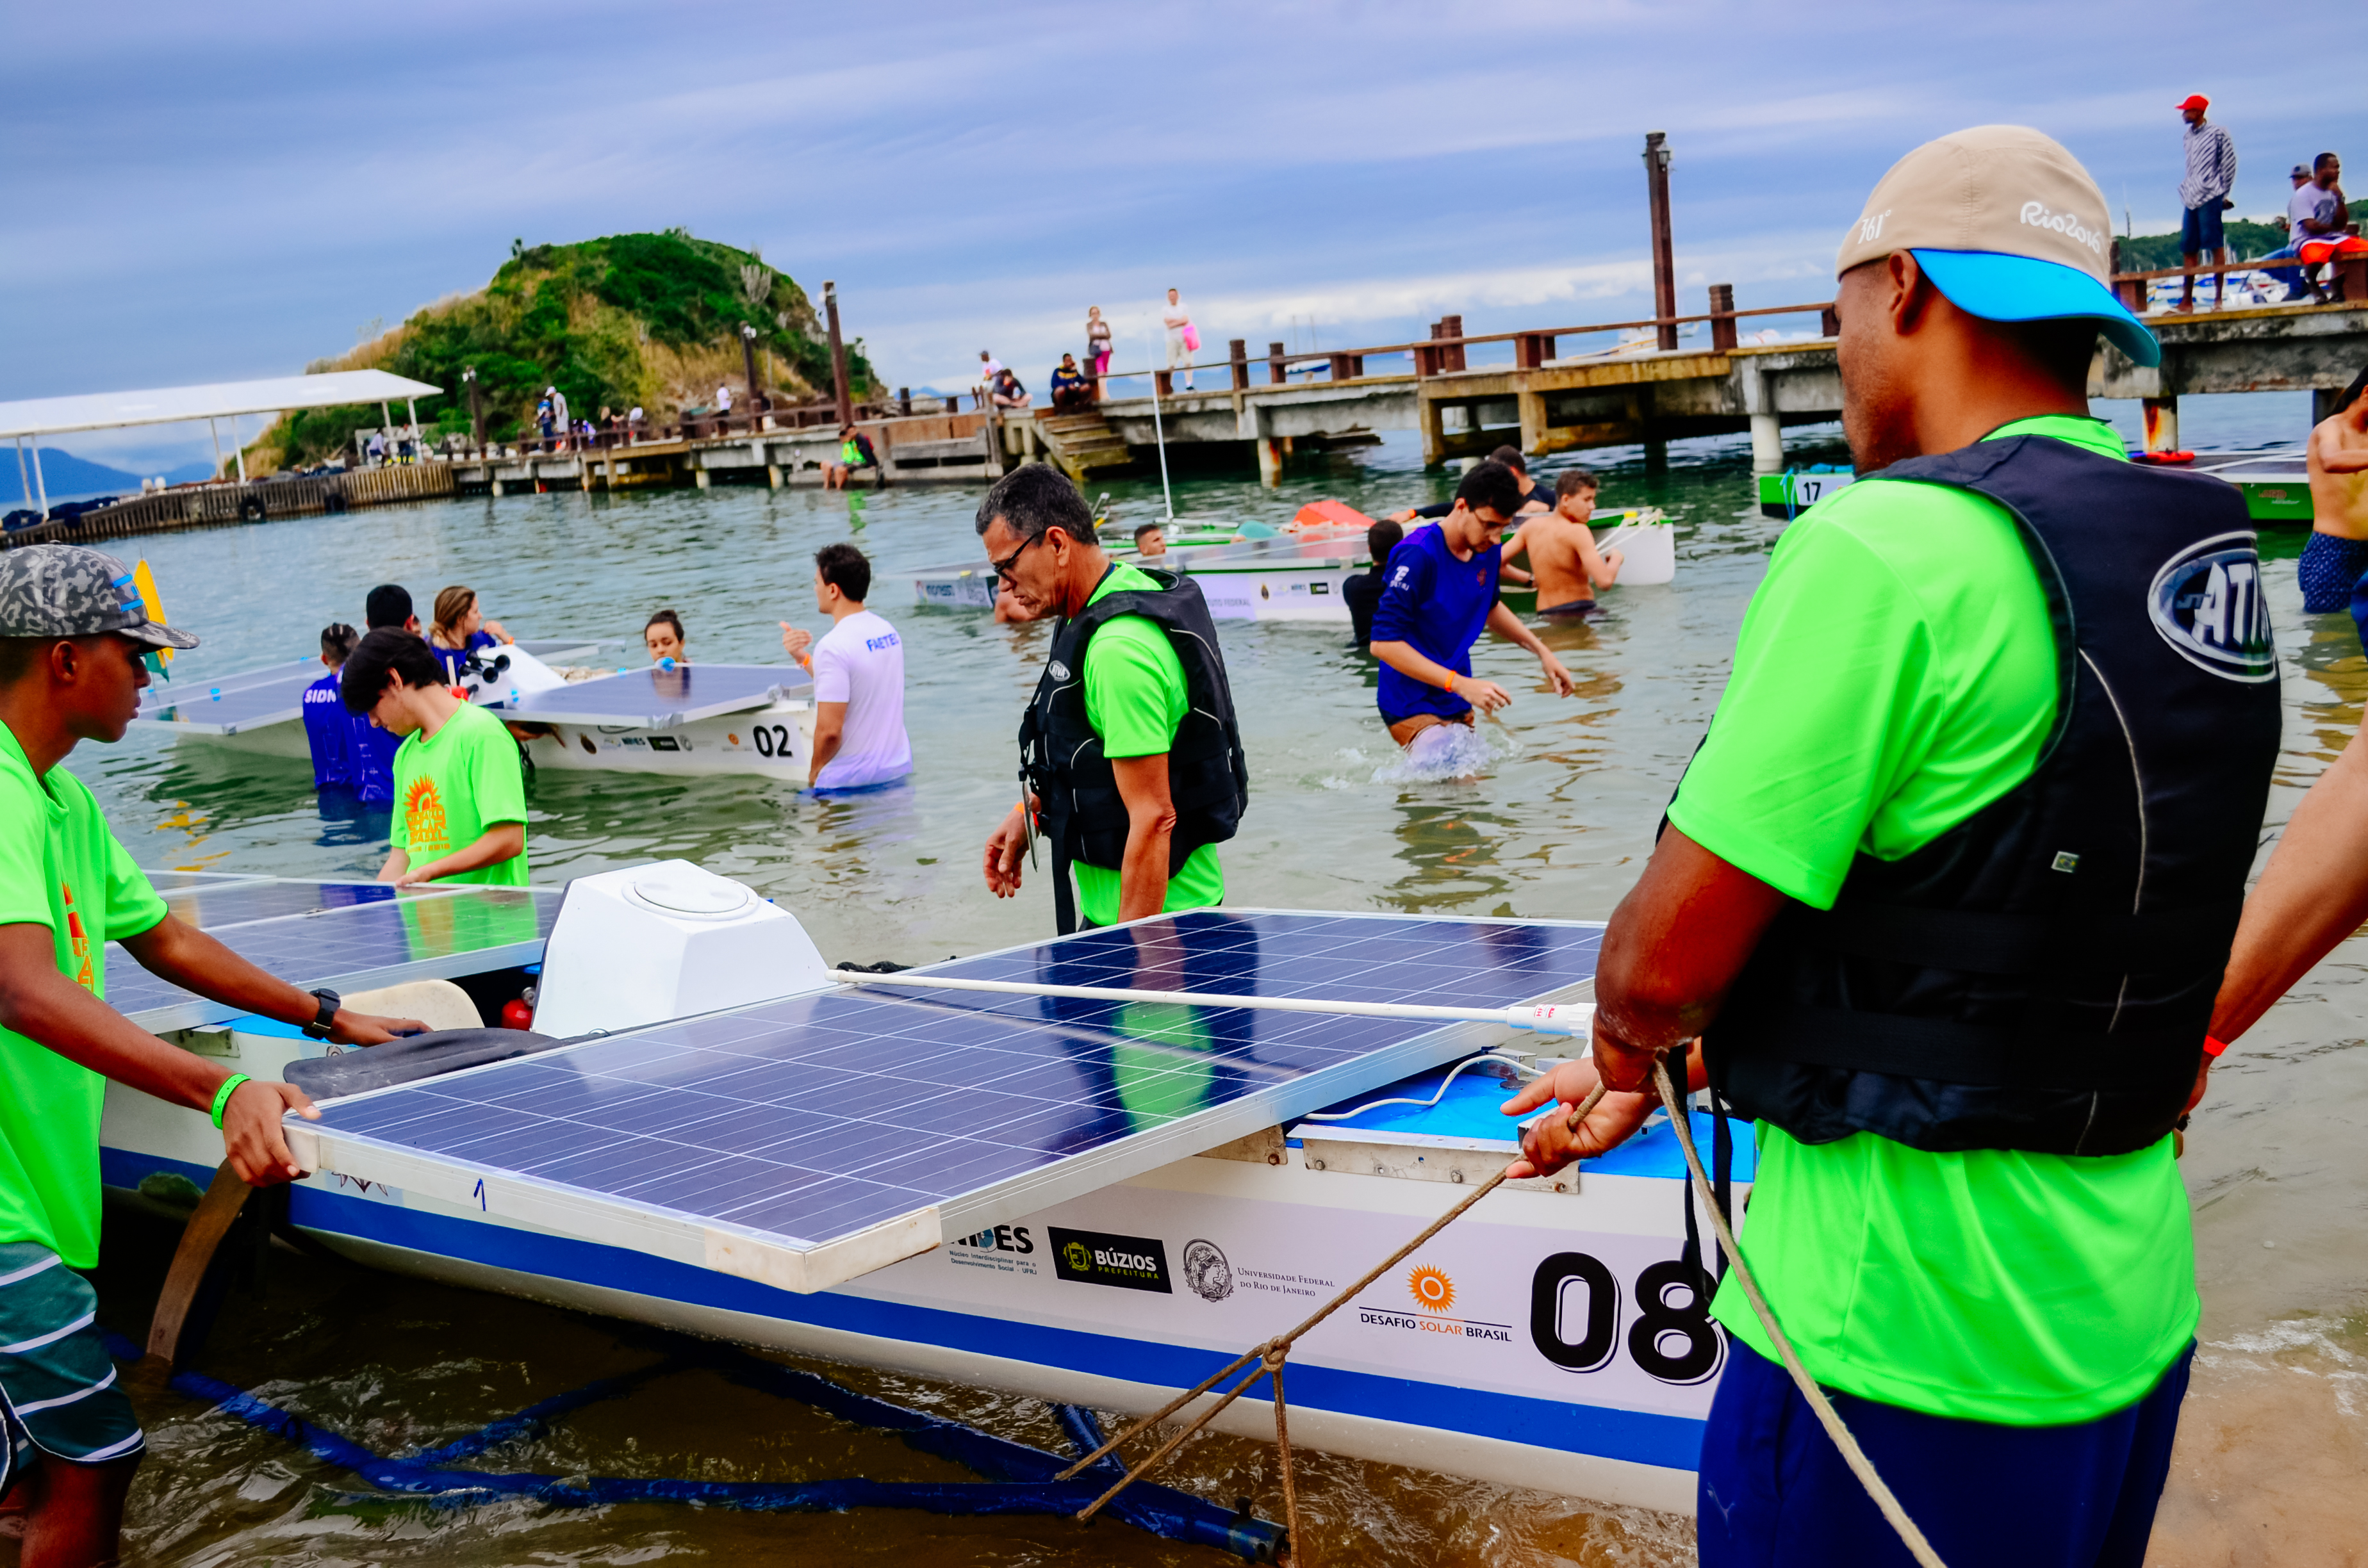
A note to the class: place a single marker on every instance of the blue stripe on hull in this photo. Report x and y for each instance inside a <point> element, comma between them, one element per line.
<point>1640,1436</point>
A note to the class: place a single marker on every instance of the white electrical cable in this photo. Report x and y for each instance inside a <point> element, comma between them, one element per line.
<point>1376,1104</point>
<point>1548,1018</point>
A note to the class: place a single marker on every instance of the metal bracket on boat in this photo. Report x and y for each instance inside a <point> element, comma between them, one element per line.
<point>1419,1157</point>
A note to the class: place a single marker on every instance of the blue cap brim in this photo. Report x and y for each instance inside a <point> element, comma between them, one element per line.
<point>2021,287</point>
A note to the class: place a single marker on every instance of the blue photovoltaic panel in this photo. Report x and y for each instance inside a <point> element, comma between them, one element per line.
<point>233,703</point>
<point>808,1120</point>
<point>655,698</point>
<point>352,946</point>
<point>243,903</point>
<point>171,881</point>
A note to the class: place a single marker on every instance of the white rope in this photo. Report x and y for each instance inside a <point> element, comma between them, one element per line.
<point>1551,1018</point>
<point>1408,1099</point>
<point>1852,1455</point>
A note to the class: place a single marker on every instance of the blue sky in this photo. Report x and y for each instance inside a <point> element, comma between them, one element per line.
<point>212,193</point>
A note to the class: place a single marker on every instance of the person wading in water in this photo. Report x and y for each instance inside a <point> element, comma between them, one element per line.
<point>1942,902</point>
<point>1129,747</point>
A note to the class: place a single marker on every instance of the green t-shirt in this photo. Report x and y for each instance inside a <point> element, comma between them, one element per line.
<point>61,868</point>
<point>1135,697</point>
<point>1894,675</point>
<point>449,791</point>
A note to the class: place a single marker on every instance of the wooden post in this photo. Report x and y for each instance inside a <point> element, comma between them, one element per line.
<point>1340,370</point>
<point>905,400</point>
<point>1722,317</point>
<point>1165,382</point>
<point>1426,361</point>
<point>1665,266</point>
<point>476,410</point>
<point>1237,354</point>
<point>837,355</point>
<point>749,359</point>
<point>1532,349</point>
<point>1453,353</point>
<point>1277,372</point>
<point>2351,278</point>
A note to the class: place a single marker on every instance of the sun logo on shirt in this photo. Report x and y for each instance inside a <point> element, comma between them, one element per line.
<point>423,815</point>
<point>1433,1292</point>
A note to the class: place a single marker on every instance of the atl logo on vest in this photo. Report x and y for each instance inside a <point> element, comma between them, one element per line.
<point>2206,603</point>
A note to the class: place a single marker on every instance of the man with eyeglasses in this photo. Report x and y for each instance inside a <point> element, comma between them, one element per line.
<point>1131,756</point>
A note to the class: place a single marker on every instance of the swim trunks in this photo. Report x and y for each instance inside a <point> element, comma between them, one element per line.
<point>2328,568</point>
<point>1392,721</point>
<point>1576,607</point>
<point>57,1382</point>
<point>1774,1491</point>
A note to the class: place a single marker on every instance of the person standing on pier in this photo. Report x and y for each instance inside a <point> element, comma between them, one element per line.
<point>2204,192</point>
<point>1943,901</point>
<point>1098,348</point>
<point>1130,750</point>
<point>1183,338</point>
<point>1440,593</point>
<point>72,636</point>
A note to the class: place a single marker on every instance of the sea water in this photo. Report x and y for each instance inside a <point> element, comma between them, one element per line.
<point>1550,814</point>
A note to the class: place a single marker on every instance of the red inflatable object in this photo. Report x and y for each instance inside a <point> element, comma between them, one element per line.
<point>517,1015</point>
<point>2163,459</point>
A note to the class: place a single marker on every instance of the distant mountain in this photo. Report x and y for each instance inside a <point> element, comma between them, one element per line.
<point>66,477</point>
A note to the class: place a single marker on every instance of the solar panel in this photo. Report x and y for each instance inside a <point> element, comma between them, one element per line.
<point>242,902</point>
<point>352,947</point>
<point>807,1140</point>
<point>224,707</point>
<point>171,881</point>
<point>658,700</point>
<point>558,649</point>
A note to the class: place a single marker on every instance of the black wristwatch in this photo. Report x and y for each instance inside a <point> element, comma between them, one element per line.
<point>330,1001</point>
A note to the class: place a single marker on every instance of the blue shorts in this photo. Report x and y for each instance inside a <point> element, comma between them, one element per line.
<point>2199,230</point>
<point>2327,570</point>
<point>1775,1493</point>
<point>59,1397</point>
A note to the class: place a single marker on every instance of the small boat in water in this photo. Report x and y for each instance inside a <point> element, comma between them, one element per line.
<point>686,718</point>
<point>1085,1202</point>
<point>2276,484</point>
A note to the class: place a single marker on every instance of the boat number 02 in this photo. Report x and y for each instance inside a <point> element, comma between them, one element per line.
<point>772,740</point>
<point>1675,1342</point>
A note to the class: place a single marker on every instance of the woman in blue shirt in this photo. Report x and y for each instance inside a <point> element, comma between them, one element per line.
<point>459,630</point>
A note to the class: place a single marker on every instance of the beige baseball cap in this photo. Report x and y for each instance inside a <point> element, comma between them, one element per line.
<point>2005,223</point>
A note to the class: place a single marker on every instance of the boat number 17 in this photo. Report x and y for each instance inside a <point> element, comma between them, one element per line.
<point>772,740</point>
<point>1575,1308</point>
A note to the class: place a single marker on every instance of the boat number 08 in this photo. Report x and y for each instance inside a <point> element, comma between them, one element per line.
<point>772,740</point>
<point>1675,1342</point>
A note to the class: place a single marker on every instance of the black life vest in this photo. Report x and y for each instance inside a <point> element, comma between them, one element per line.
<point>1084,819</point>
<point>2040,976</point>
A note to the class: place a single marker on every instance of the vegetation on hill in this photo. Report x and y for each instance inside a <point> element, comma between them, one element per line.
<point>646,320</point>
<point>2250,240</point>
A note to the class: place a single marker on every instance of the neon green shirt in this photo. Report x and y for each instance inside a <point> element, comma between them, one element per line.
<point>449,791</point>
<point>61,868</point>
<point>1894,675</point>
<point>1135,699</point>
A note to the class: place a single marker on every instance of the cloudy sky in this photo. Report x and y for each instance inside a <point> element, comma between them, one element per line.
<point>213,193</point>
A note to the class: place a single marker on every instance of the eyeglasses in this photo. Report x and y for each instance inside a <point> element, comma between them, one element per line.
<point>1003,567</point>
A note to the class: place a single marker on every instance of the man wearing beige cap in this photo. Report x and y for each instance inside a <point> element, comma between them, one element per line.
<point>1942,900</point>
<point>73,634</point>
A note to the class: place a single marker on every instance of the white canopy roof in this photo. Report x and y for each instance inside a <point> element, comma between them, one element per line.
<point>109,411</point>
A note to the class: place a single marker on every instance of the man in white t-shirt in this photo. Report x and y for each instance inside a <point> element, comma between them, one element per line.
<point>858,677</point>
<point>1183,338</point>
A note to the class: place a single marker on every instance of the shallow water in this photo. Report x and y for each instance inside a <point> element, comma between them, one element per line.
<point>1553,824</point>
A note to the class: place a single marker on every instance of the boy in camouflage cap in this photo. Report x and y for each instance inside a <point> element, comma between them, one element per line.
<point>73,631</point>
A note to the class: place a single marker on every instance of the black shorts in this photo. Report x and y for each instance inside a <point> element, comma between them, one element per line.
<point>1393,719</point>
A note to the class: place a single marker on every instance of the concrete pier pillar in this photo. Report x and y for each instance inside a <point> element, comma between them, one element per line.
<point>497,487</point>
<point>700,477</point>
<point>1767,444</point>
<point>773,475</point>
<point>1269,456</point>
<point>1434,432</point>
<point>1532,406</point>
<point>2161,422</point>
<point>1656,455</point>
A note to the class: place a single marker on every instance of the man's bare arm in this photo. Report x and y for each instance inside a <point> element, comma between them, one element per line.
<point>175,950</point>
<point>830,733</point>
<point>1150,829</point>
<point>45,1007</point>
<point>2314,894</point>
<point>1675,945</point>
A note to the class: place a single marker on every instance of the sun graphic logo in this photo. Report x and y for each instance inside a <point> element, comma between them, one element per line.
<point>423,815</point>
<point>1433,1292</point>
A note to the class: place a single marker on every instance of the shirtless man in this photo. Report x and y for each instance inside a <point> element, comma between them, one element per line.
<point>1561,546</point>
<point>2338,553</point>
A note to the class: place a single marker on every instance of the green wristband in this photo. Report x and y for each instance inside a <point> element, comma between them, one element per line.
<point>222,1095</point>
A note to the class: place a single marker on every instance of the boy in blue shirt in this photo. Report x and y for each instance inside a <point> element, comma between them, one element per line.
<point>1439,594</point>
<point>328,729</point>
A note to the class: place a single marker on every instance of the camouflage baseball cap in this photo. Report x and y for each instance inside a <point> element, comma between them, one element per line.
<point>64,590</point>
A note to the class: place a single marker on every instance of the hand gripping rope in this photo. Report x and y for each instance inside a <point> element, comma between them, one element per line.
<point>1557,1019</point>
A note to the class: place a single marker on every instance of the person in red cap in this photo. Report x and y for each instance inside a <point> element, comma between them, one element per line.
<point>2211,176</point>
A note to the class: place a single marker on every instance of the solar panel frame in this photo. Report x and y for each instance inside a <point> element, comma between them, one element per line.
<point>635,700</point>
<point>342,948</point>
<point>170,882</point>
<point>247,700</point>
<point>483,1143</point>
